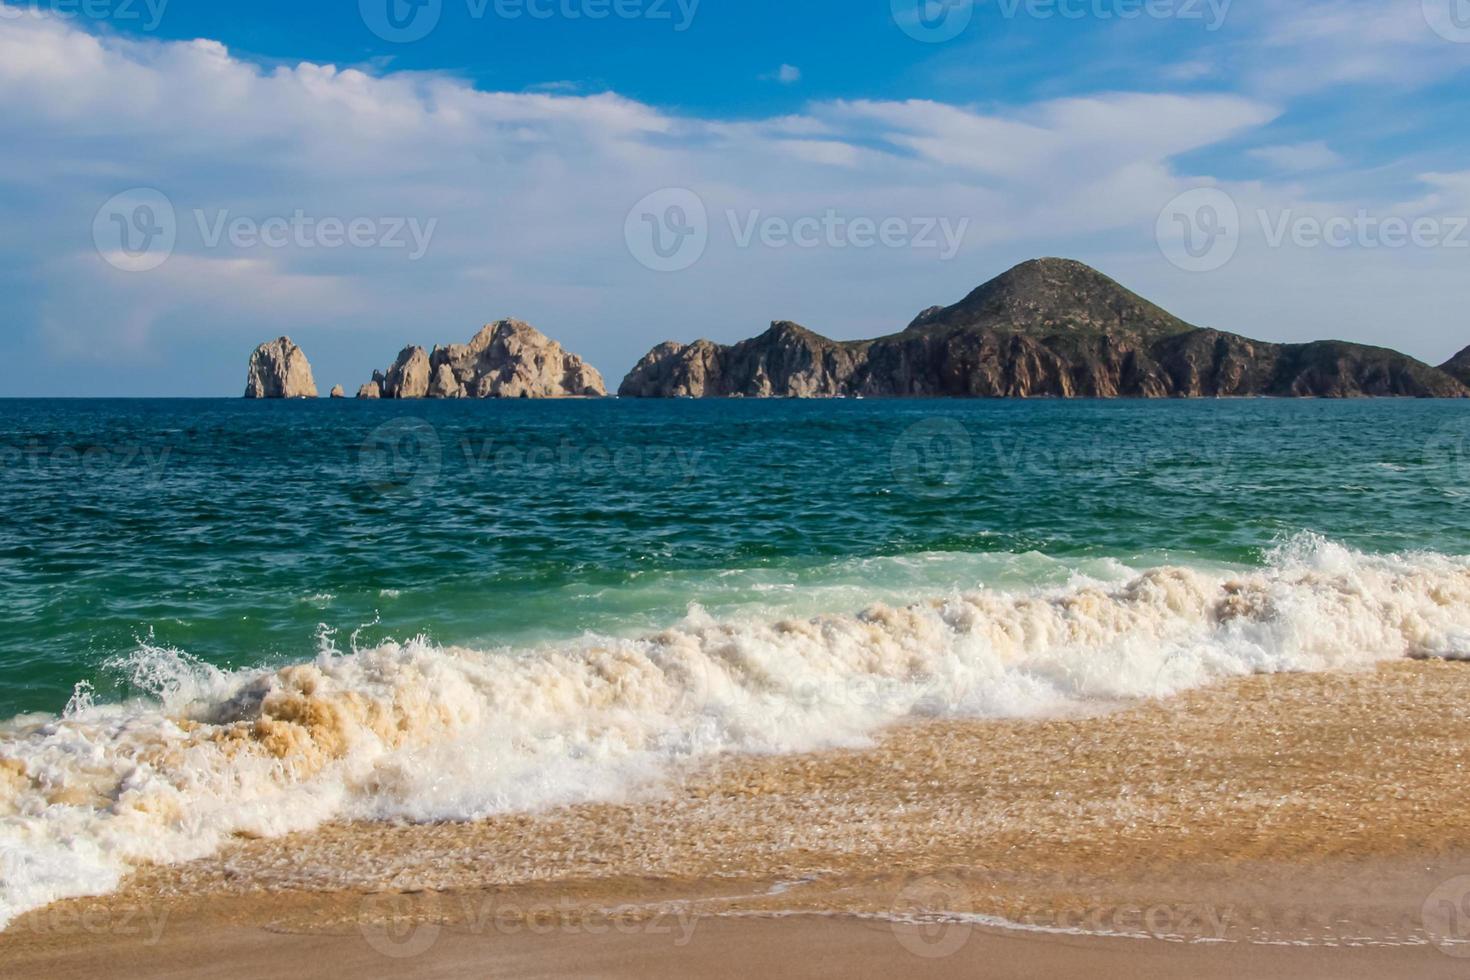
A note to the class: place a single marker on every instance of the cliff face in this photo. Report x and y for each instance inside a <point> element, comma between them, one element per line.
<point>787,361</point>
<point>507,359</point>
<point>279,369</point>
<point>1458,367</point>
<point>1048,328</point>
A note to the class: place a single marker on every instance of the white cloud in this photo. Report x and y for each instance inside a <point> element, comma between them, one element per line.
<point>531,191</point>
<point>1321,44</point>
<point>1189,71</point>
<point>1297,157</point>
<point>786,75</point>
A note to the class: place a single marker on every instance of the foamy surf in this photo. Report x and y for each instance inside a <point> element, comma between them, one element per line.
<point>423,732</point>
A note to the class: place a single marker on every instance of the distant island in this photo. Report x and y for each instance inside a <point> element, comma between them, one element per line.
<point>1048,328</point>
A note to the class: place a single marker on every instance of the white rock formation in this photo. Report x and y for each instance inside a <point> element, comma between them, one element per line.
<point>279,369</point>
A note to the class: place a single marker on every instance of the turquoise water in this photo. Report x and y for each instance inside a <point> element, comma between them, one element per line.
<point>250,534</point>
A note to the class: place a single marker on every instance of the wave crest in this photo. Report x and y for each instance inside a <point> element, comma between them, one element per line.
<point>418,731</point>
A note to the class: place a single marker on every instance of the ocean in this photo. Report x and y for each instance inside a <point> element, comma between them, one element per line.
<point>228,618</point>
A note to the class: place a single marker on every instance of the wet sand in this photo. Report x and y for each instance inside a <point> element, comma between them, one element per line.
<point>1275,826</point>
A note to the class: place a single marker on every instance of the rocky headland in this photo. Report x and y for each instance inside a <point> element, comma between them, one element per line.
<point>1458,367</point>
<point>1047,328</point>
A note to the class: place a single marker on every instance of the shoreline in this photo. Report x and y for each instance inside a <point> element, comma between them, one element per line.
<point>1327,817</point>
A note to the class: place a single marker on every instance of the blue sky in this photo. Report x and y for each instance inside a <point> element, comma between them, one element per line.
<point>504,164</point>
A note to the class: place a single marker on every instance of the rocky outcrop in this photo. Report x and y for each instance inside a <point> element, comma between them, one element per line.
<point>279,369</point>
<point>507,359</point>
<point>1458,367</point>
<point>1047,328</point>
<point>374,388</point>
<point>337,392</point>
<point>409,375</point>
<point>786,361</point>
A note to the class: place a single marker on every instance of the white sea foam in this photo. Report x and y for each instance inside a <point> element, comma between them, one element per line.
<point>418,731</point>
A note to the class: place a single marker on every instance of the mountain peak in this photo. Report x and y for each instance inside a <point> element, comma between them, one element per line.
<point>1049,296</point>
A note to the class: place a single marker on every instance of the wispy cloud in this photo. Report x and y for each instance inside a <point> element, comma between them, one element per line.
<point>1297,157</point>
<point>786,75</point>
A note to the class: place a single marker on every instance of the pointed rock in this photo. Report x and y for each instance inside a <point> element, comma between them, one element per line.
<point>409,375</point>
<point>279,369</point>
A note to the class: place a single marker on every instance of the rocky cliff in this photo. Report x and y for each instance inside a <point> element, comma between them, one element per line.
<point>1458,366</point>
<point>508,359</point>
<point>279,369</point>
<point>1047,328</point>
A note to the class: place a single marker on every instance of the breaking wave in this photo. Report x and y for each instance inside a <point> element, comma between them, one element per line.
<point>418,731</point>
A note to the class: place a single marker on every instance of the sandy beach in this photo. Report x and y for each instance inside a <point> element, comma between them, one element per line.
<point>1303,825</point>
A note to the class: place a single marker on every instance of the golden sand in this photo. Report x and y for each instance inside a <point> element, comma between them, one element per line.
<point>1325,809</point>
